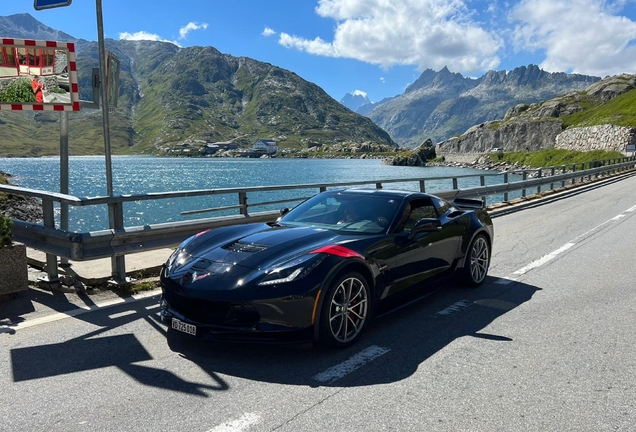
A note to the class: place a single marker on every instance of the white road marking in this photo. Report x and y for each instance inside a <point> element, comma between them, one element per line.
<point>546,258</point>
<point>354,362</point>
<point>456,307</point>
<point>243,423</point>
<point>79,311</point>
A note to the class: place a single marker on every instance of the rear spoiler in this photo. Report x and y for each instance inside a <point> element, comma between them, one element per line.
<point>468,204</point>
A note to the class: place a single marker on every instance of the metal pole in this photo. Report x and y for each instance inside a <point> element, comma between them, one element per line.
<point>102,91</point>
<point>118,264</point>
<point>64,174</point>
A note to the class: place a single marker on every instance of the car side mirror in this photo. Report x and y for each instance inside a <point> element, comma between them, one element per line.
<point>284,211</point>
<point>425,225</point>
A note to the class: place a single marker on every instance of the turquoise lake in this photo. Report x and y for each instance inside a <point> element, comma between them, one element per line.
<point>140,175</point>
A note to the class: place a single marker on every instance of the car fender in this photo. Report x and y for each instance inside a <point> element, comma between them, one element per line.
<point>350,264</point>
<point>482,230</point>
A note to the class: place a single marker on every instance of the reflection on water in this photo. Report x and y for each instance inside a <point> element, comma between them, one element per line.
<point>141,175</point>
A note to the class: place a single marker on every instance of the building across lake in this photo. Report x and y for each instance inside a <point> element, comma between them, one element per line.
<point>265,145</point>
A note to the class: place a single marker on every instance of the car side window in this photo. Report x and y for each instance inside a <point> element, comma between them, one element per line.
<point>419,209</point>
<point>442,206</point>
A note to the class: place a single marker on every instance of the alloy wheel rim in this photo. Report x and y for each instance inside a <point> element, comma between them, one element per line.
<point>479,259</point>
<point>348,309</point>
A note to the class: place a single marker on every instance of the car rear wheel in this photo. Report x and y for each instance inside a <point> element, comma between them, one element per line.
<point>345,310</point>
<point>477,261</point>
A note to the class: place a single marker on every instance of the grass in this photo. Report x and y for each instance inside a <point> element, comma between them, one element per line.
<point>554,157</point>
<point>620,111</point>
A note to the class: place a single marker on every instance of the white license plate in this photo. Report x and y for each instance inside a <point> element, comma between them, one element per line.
<point>184,327</point>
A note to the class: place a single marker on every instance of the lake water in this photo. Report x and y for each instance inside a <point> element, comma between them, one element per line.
<point>140,175</point>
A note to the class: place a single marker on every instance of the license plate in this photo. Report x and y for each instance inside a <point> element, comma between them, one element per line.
<point>184,327</point>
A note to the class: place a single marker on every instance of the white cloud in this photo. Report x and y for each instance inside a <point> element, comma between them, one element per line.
<point>142,35</point>
<point>425,33</point>
<point>183,31</point>
<point>359,93</point>
<point>268,32</point>
<point>581,36</point>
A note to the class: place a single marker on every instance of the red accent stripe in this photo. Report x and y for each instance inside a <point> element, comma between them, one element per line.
<point>58,107</point>
<point>74,88</point>
<point>29,42</point>
<point>15,107</point>
<point>76,106</point>
<point>71,46</point>
<point>38,107</point>
<point>8,41</point>
<point>337,250</point>
<point>51,44</point>
<point>73,66</point>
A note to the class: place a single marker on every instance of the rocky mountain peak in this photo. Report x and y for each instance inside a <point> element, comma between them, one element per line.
<point>24,26</point>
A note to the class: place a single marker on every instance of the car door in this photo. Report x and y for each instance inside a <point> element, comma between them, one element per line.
<point>426,254</point>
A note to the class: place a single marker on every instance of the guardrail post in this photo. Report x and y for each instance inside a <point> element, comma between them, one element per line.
<point>243,202</point>
<point>563,170</point>
<point>322,188</point>
<point>552,175</point>
<point>582,169</point>
<point>117,263</point>
<point>505,180</point>
<point>539,175</point>
<point>482,182</point>
<point>573,170</point>
<point>455,183</point>
<point>51,260</point>
<point>422,186</point>
<point>378,185</point>
<point>524,176</point>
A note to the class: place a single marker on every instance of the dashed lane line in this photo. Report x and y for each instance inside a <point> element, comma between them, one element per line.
<point>241,424</point>
<point>351,364</point>
<point>549,257</point>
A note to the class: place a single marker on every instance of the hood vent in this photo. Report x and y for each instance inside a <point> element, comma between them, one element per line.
<point>239,246</point>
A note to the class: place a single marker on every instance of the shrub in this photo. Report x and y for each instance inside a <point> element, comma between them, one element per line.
<point>18,91</point>
<point>5,231</point>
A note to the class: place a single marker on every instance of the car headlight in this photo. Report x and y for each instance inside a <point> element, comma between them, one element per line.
<point>294,269</point>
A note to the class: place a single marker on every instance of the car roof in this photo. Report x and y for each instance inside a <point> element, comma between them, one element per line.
<point>393,193</point>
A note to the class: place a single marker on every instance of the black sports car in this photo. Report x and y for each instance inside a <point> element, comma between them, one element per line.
<point>321,269</point>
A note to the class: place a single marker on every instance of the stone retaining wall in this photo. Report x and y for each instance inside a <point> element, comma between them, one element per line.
<point>602,137</point>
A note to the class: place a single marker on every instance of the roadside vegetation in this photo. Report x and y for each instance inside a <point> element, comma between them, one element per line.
<point>3,181</point>
<point>620,111</point>
<point>553,157</point>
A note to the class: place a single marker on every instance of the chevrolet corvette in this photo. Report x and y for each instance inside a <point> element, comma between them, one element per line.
<point>321,269</point>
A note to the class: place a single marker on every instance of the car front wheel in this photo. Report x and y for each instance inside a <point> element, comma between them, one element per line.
<point>345,310</point>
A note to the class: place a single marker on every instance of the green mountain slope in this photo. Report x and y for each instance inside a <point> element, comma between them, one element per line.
<point>170,97</point>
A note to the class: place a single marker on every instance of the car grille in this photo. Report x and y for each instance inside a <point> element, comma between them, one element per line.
<point>215,313</point>
<point>239,246</point>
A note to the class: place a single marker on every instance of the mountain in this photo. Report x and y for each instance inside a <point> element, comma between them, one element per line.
<point>355,100</point>
<point>439,105</point>
<point>601,117</point>
<point>24,26</point>
<point>173,98</point>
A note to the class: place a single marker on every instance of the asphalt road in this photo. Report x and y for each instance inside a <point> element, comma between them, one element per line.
<point>547,344</point>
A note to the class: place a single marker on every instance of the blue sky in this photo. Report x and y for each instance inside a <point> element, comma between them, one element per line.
<point>376,46</point>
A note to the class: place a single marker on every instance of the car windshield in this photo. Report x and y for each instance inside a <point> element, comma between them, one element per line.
<point>345,212</point>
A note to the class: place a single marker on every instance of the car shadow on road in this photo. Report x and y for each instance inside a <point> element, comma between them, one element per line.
<point>406,336</point>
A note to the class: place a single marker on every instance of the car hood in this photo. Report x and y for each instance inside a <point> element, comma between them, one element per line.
<point>255,246</point>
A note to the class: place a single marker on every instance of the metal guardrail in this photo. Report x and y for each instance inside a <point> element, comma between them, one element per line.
<point>120,240</point>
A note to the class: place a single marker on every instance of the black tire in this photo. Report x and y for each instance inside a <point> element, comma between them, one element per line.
<point>477,261</point>
<point>345,310</point>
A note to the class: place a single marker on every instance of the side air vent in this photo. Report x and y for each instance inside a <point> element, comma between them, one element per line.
<point>455,214</point>
<point>239,246</point>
